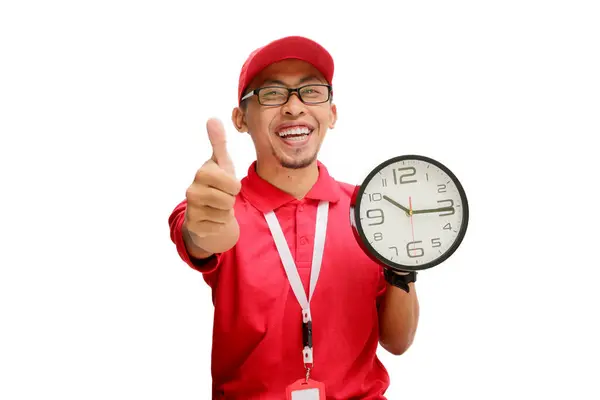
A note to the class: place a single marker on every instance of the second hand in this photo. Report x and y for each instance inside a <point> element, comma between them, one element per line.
<point>412,226</point>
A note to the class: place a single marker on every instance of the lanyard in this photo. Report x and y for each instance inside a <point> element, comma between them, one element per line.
<point>292,272</point>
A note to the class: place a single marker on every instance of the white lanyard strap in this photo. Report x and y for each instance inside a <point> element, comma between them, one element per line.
<point>292,272</point>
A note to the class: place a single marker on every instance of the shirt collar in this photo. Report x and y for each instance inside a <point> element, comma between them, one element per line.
<point>266,197</point>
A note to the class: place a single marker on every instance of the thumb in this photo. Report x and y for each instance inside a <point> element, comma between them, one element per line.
<point>218,140</point>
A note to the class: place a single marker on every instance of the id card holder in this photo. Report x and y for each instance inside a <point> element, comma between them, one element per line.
<point>303,390</point>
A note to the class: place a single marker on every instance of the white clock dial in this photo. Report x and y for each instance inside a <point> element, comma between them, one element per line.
<point>411,212</point>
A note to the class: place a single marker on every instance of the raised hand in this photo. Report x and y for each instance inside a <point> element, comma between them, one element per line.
<point>211,196</point>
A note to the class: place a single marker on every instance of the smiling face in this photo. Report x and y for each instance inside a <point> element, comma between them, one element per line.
<point>289,135</point>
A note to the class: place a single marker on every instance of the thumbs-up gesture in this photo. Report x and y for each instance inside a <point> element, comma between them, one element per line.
<point>211,196</point>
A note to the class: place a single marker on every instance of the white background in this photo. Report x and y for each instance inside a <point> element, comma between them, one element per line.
<point>103,108</point>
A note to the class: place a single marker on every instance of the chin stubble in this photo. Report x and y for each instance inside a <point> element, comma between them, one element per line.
<point>296,164</point>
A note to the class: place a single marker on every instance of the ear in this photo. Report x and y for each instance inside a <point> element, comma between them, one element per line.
<point>238,117</point>
<point>333,116</point>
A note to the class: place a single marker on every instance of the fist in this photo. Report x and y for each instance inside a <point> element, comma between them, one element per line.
<point>211,196</point>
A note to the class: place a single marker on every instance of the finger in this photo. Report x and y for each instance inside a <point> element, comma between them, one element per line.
<point>211,214</point>
<point>211,197</point>
<point>214,176</point>
<point>218,140</point>
<point>207,228</point>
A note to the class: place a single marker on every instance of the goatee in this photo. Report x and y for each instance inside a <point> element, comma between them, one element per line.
<point>298,164</point>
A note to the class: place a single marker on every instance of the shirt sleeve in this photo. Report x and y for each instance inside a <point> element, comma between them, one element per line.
<point>205,266</point>
<point>381,287</point>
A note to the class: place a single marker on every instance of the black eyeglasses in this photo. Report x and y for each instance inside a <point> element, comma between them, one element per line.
<point>279,95</point>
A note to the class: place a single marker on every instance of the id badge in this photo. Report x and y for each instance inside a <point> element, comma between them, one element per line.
<point>302,390</point>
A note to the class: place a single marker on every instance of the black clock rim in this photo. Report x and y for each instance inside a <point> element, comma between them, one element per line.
<point>372,252</point>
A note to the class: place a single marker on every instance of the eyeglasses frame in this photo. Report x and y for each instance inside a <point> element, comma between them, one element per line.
<point>257,91</point>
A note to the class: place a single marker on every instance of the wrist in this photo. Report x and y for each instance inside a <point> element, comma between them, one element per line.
<point>194,250</point>
<point>400,279</point>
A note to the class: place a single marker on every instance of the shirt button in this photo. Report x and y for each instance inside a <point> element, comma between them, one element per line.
<point>303,240</point>
<point>301,208</point>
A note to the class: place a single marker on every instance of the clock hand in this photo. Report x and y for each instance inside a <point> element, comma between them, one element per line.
<point>432,210</point>
<point>412,226</point>
<point>406,210</point>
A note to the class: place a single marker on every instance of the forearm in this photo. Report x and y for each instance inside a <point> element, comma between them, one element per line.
<point>398,319</point>
<point>203,247</point>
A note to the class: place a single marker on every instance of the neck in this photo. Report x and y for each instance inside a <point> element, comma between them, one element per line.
<point>296,182</point>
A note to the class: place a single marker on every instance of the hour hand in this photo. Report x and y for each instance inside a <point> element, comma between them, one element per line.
<point>406,210</point>
<point>432,210</point>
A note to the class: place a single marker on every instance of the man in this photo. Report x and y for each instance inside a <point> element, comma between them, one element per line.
<point>269,330</point>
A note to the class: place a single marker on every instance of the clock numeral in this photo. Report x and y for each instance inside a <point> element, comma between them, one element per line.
<point>376,213</point>
<point>374,197</point>
<point>378,236</point>
<point>435,242</point>
<point>383,182</point>
<point>441,188</point>
<point>405,175</point>
<point>451,212</point>
<point>448,226</point>
<point>395,249</point>
<point>414,252</point>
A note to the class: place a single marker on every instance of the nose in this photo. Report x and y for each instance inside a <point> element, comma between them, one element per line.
<point>294,106</point>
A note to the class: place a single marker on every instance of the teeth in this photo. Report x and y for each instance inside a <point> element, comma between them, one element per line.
<point>295,138</point>
<point>295,131</point>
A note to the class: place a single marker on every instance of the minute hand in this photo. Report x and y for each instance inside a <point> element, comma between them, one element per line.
<point>432,210</point>
<point>406,210</point>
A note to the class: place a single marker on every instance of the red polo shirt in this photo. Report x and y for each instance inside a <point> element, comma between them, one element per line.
<point>257,337</point>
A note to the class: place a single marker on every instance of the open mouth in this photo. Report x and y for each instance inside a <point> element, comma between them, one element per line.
<point>295,135</point>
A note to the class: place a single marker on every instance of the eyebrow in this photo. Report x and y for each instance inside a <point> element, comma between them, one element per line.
<point>303,80</point>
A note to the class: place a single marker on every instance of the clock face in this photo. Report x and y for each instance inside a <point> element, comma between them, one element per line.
<point>410,213</point>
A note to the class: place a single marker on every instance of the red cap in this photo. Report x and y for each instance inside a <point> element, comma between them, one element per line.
<point>297,47</point>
